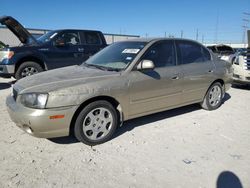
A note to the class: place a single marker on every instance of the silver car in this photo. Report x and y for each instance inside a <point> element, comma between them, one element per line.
<point>123,81</point>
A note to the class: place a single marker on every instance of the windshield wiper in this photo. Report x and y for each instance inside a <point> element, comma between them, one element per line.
<point>112,69</point>
<point>101,67</point>
<point>92,65</point>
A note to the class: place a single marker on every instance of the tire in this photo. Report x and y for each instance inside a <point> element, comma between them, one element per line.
<point>27,69</point>
<point>213,97</point>
<point>92,127</point>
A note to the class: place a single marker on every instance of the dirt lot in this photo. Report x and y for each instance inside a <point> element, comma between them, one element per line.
<point>185,147</point>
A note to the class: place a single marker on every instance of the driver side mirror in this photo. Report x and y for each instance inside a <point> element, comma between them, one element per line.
<point>60,42</point>
<point>146,65</point>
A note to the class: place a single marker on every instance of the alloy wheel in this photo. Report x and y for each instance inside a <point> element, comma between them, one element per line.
<point>215,95</point>
<point>97,123</point>
<point>28,71</point>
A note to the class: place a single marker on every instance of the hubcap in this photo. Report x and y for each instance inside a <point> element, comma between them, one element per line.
<point>28,71</point>
<point>97,123</point>
<point>214,95</point>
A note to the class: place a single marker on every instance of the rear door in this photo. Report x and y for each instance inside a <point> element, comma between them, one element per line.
<point>92,43</point>
<point>197,67</point>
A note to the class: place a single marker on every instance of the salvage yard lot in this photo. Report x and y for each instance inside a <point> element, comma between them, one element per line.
<point>185,147</point>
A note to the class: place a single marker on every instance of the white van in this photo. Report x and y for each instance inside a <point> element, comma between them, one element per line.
<point>241,67</point>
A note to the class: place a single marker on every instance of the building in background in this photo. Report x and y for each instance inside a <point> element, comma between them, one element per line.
<point>7,37</point>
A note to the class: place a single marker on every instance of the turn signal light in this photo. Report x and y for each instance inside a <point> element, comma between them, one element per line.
<point>56,117</point>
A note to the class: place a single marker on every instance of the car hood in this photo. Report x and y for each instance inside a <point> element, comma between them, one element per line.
<point>22,34</point>
<point>59,81</point>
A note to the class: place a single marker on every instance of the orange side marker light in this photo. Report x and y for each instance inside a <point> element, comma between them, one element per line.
<point>56,117</point>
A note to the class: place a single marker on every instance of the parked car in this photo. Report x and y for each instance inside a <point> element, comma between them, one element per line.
<point>55,49</point>
<point>241,66</point>
<point>239,51</point>
<point>125,80</point>
<point>223,51</point>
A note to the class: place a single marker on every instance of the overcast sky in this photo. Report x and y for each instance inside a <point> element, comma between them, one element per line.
<point>219,20</point>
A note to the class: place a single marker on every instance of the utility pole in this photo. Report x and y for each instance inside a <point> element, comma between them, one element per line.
<point>245,26</point>
<point>197,35</point>
<point>165,34</point>
<point>216,29</point>
<point>202,39</point>
<point>181,33</point>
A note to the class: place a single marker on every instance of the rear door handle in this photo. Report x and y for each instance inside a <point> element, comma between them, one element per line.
<point>175,77</point>
<point>210,71</point>
<point>80,49</point>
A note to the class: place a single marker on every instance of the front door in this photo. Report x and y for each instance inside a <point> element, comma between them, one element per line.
<point>158,89</point>
<point>69,54</point>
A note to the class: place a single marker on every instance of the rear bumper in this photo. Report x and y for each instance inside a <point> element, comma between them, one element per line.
<point>7,71</point>
<point>37,122</point>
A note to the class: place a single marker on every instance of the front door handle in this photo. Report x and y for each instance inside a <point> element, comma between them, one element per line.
<point>176,77</point>
<point>80,49</point>
<point>210,71</point>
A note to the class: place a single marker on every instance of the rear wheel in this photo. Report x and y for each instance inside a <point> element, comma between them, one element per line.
<point>96,123</point>
<point>27,69</point>
<point>213,98</point>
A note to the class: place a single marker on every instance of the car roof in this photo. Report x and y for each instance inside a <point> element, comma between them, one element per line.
<point>147,40</point>
<point>84,30</point>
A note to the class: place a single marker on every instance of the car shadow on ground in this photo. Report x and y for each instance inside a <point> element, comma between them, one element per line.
<point>6,85</point>
<point>242,87</point>
<point>141,121</point>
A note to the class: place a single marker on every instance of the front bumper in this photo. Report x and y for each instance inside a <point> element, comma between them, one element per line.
<point>7,70</point>
<point>37,122</point>
<point>241,78</point>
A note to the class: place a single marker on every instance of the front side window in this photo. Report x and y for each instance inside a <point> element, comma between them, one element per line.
<point>116,56</point>
<point>190,52</point>
<point>162,54</point>
<point>70,38</point>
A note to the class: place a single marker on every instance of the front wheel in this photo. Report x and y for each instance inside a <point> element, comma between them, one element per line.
<point>96,123</point>
<point>27,69</point>
<point>213,98</point>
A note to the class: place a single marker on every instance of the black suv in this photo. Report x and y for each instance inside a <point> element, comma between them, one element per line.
<point>58,48</point>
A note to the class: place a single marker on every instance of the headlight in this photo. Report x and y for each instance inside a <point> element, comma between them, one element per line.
<point>6,55</point>
<point>33,100</point>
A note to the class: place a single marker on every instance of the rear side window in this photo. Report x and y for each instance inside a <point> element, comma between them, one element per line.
<point>92,38</point>
<point>191,52</point>
<point>162,54</point>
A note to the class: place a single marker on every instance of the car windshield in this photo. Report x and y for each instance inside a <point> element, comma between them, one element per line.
<point>47,37</point>
<point>116,56</point>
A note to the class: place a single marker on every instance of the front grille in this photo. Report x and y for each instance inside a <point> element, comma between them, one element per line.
<point>236,76</point>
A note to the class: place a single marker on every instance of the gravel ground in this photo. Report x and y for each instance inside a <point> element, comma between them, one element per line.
<point>185,147</point>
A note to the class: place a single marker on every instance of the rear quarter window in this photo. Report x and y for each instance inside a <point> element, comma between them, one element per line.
<point>206,54</point>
